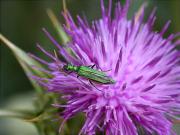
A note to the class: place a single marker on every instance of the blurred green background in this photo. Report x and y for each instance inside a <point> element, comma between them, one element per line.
<point>21,22</point>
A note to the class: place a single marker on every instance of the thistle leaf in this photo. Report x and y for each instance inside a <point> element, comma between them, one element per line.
<point>6,113</point>
<point>25,61</point>
<point>62,35</point>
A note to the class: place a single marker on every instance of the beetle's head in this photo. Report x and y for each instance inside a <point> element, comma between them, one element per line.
<point>67,67</point>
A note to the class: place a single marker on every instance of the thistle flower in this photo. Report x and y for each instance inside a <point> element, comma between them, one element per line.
<point>144,65</point>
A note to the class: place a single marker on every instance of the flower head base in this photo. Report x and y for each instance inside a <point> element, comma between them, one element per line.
<point>144,65</point>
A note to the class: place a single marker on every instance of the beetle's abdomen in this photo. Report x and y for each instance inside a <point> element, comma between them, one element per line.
<point>94,75</point>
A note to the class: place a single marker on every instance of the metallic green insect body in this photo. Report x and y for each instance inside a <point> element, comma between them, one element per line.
<point>89,73</point>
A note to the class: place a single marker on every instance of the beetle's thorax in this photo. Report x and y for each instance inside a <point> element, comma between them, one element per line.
<point>71,68</point>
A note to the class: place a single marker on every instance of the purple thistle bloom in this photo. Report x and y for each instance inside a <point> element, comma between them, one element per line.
<point>144,65</point>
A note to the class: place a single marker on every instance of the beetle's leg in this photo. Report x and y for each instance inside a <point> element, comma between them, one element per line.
<point>92,66</point>
<point>94,85</point>
<point>66,74</point>
<point>81,80</point>
<point>96,67</point>
<point>70,72</point>
<point>106,70</point>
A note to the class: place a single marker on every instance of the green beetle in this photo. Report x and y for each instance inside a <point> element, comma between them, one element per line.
<point>89,73</point>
